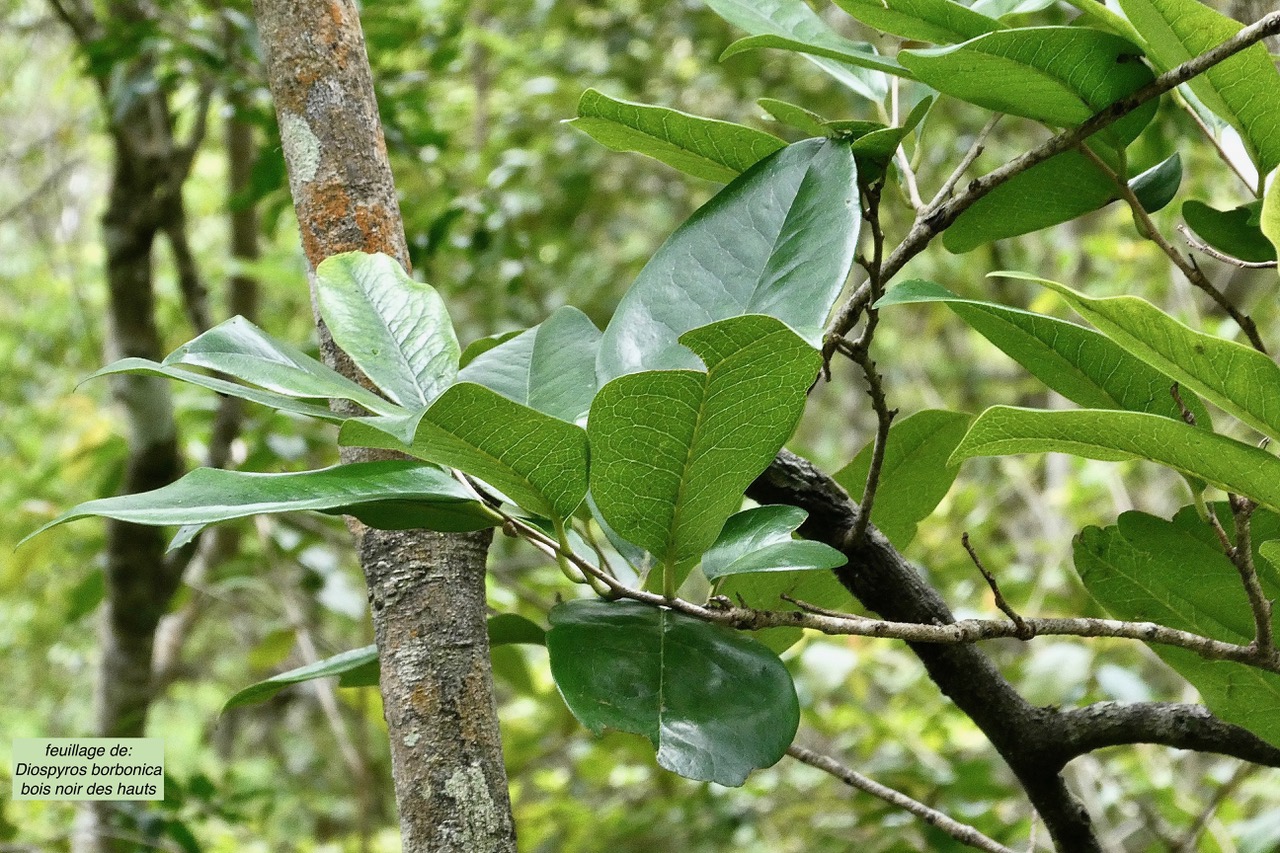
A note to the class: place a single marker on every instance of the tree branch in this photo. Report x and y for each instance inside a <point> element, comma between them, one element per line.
<point>961,832</point>
<point>1177,725</point>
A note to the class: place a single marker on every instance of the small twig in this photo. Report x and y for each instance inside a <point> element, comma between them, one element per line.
<point>1213,140</point>
<point>975,151</point>
<point>1242,556</point>
<point>1025,633</point>
<point>1204,248</point>
<point>962,832</point>
<point>1187,415</point>
<point>1225,790</point>
<point>1186,264</point>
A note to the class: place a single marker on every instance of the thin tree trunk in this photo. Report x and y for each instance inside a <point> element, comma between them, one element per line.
<point>427,590</point>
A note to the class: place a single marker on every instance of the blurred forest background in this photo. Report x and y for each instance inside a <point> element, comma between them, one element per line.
<point>511,213</point>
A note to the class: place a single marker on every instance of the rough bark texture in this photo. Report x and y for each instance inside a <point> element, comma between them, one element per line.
<point>426,590</point>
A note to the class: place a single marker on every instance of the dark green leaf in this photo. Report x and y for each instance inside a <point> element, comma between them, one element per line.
<point>339,664</point>
<point>877,147</point>
<point>395,329</point>
<point>937,21</point>
<point>1082,365</point>
<point>759,540</point>
<point>1049,193</point>
<point>916,475</point>
<point>779,240</point>
<point>511,629</point>
<point>715,704</point>
<point>1235,232</point>
<point>391,494</point>
<point>702,147</point>
<point>1157,186</point>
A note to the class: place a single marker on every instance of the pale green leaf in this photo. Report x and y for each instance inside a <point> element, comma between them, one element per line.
<point>395,329</point>
<point>702,147</point>
<point>1118,436</point>
<point>937,21</point>
<point>1269,220</point>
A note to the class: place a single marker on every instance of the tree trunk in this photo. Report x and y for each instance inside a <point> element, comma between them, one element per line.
<point>427,590</point>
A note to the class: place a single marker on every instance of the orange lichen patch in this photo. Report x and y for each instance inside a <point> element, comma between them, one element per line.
<point>382,227</point>
<point>330,227</point>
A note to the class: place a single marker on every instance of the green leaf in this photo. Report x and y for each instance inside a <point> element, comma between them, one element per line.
<point>702,147</point>
<point>798,117</point>
<point>916,475</point>
<point>764,591</point>
<point>1235,232</point>
<point>673,451</point>
<point>1049,193</point>
<point>391,495</point>
<point>714,703</point>
<point>1057,75</point>
<point>1005,8</point>
<point>1117,436</point>
<point>339,664</point>
<point>239,348</point>
<point>857,54</point>
<point>511,629</point>
<point>793,20</point>
<point>1157,186</point>
<point>759,540</point>
<point>1147,569</point>
<point>877,147</point>
<point>550,368</point>
<point>937,21</point>
<point>1269,219</point>
<point>1082,365</point>
<point>779,240</point>
<point>536,460</point>
<point>1237,378</point>
<point>483,345</point>
<point>1244,89</point>
<point>270,399</point>
<point>395,329</point>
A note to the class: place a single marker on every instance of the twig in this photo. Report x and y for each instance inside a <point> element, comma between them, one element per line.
<point>1188,416</point>
<point>1213,140</point>
<point>1005,608</point>
<point>940,216</point>
<point>961,832</point>
<point>1242,557</point>
<point>1226,789</point>
<point>1204,248</point>
<point>975,151</point>
<point>1186,264</point>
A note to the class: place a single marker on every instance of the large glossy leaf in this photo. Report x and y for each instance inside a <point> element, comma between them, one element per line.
<point>1082,365</point>
<point>673,451</point>
<point>395,329</point>
<point>1235,377</point>
<point>538,461</point>
<point>1117,436</point>
<point>1243,90</point>
<point>779,240</point>
<point>759,540</point>
<point>794,20</point>
<point>1049,193</point>
<point>270,399</point>
<point>703,147</point>
<point>937,21</point>
<point>550,368</point>
<point>387,494</point>
<point>1152,570</point>
<point>239,348</point>
<point>1057,75</point>
<point>916,475</point>
<point>714,703</point>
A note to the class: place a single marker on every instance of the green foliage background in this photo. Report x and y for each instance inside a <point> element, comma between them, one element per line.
<point>511,214</point>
